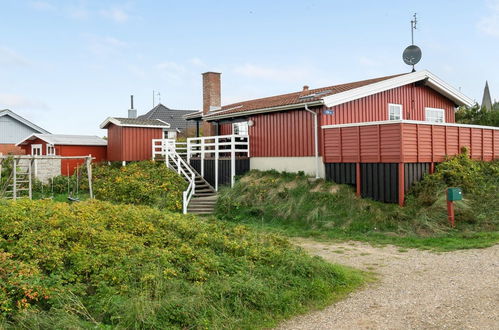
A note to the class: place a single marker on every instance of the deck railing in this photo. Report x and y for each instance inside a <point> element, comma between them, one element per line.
<point>215,147</point>
<point>167,148</point>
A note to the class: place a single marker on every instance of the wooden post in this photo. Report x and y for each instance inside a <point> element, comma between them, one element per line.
<point>401,184</point>
<point>357,180</point>
<point>232,160</point>
<point>14,179</point>
<point>202,157</point>
<point>89,175</point>
<point>30,174</point>
<point>216,163</point>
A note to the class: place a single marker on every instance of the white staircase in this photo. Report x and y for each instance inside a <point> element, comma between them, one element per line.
<point>200,196</point>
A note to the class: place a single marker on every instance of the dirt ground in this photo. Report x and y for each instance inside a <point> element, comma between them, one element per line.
<point>415,289</point>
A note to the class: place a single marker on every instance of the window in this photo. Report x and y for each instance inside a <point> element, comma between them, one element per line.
<point>169,135</point>
<point>394,111</point>
<point>36,149</point>
<point>240,128</point>
<point>50,150</point>
<point>435,115</point>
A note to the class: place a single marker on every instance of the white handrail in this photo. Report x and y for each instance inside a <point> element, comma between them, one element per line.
<point>166,147</point>
<point>216,146</point>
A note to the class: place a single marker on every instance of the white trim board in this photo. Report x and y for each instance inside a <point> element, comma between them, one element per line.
<point>387,122</point>
<point>263,110</point>
<point>111,120</point>
<point>432,81</point>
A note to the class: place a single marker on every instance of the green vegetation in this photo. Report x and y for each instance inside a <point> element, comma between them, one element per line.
<point>477,116</point>
<point>99,265</point>
<point>140,183</point>
<point>297,206</point>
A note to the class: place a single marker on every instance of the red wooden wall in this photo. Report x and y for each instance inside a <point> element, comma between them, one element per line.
<point>375,107</point>
<point>407,143</point>
<point>282,134</point>
<point>131,143</point>
<point>98,152</point>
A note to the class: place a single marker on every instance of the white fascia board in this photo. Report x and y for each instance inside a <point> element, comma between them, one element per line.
<point>418,122</point>
<point>32,137</point>
<point>432,81</point>
<point>111,120</point>
<point>264,110</point>
<point>167,125</point>
<point>106,122</point>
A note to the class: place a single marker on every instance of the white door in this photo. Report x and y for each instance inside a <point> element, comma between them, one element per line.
<point>36,149</point>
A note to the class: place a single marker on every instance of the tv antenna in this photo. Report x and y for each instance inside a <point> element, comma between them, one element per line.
<point>154,94</point>
<point>412,54</point>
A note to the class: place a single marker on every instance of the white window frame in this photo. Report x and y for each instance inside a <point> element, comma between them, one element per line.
<point>400,108</point>
<point>236,130</point>
<point>38,147</point>
<point>49,147</point>
<point>442,111</point>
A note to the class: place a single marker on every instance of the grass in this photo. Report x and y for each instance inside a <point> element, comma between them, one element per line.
<point>295,206</point>
<point>98,265</point>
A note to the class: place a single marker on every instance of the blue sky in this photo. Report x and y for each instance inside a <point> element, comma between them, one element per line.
<point>67,65</point>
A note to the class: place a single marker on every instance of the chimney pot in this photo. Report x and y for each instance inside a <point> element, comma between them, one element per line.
<point>305,88</point>
<point>132,113</point>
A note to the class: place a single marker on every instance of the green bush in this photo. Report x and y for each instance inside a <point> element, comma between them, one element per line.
<point>295,205</point>
<point>141,183</point>
<point>95,265</point>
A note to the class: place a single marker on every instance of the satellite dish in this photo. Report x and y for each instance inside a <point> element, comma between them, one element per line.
<point>412,55</point>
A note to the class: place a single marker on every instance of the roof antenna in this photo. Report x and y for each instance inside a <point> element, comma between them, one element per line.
<point>412,54</point>
<point>154,94</point>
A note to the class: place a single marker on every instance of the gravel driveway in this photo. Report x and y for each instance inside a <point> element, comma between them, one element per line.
<point>416,289</point>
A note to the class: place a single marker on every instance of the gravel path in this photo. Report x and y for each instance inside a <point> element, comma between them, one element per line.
<point>416,289</point>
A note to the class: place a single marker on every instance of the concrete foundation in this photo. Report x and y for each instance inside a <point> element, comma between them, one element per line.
<point>288,164</point>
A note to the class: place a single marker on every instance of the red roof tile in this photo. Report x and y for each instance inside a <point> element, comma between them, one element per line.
<point>300,97</point>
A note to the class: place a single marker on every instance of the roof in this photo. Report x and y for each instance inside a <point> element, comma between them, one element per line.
<point>7,112</point>
<point>62,139</point>
<point>135,122</point>
<point>334,95</point>
<point>172,116</point>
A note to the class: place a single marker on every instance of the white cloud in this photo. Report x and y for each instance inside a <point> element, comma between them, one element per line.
<point>105,46</point>
<point>276,74</point>
<point>197,62</point>
<point>171,70</point>
<point>115,14</point>
<point>490,23</point>
<point>42,5</point>
<point>10,57</point>
<point>13,101</point>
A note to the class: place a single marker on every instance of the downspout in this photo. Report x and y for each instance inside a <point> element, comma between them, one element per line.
<point>316,141</point>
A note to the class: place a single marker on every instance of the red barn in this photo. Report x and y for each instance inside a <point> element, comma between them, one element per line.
<point>65,145</point>
<point>130,139</point>
<point>380,135</point>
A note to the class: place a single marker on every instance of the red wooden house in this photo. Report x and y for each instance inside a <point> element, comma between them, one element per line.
<point>380,135</point>
<point>130,139</point>
<point>65,145</point>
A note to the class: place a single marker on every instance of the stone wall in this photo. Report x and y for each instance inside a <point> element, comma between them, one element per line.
<point>43,169</point>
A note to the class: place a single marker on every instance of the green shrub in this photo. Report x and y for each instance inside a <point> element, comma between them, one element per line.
<point>295,205</point>
<point>94,264</point>
<point>141,183</point>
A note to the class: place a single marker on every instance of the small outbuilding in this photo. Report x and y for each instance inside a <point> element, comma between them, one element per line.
<point>130,139</point>
<point>65,145</point>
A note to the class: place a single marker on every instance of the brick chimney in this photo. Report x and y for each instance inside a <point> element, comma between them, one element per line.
<point>211,98</point>
<point>305,88</point>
